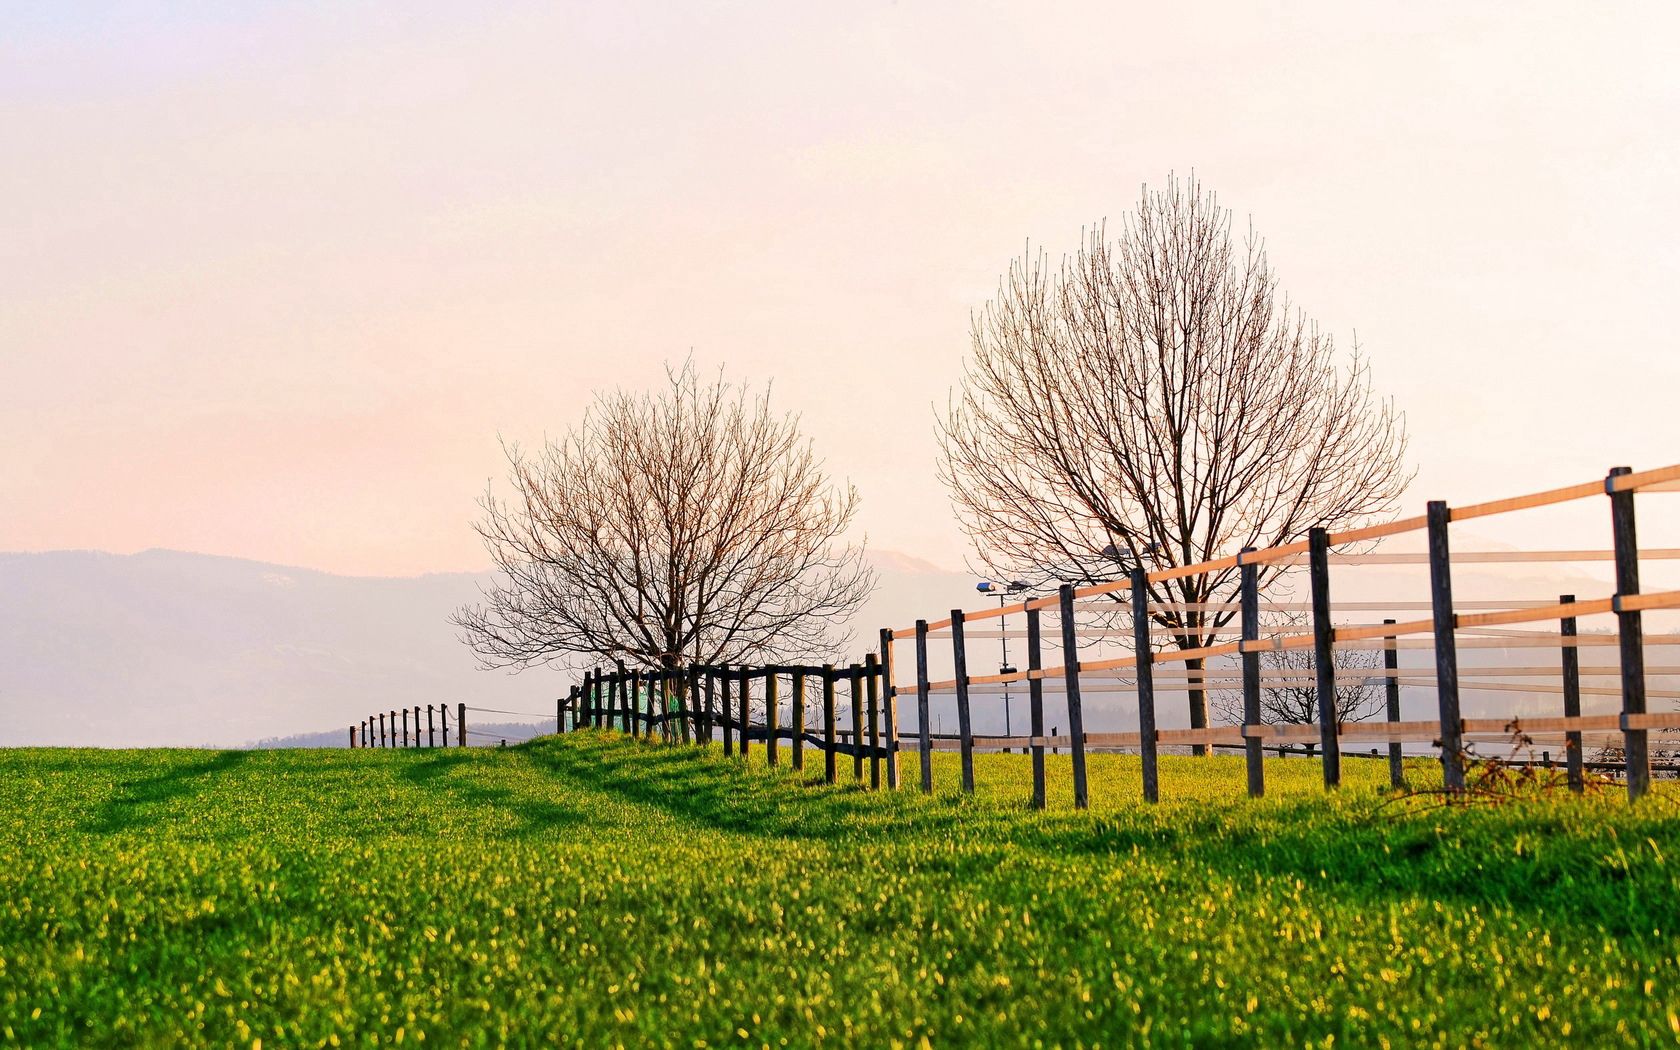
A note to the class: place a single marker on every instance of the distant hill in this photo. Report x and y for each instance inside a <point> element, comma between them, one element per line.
<point>170,648</point>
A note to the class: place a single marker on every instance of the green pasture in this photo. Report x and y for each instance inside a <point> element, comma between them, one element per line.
<point>596,891</point>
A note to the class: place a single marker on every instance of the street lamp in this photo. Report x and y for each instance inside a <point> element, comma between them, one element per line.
<point>1003,590</point>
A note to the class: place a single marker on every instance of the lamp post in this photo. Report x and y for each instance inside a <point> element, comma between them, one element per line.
<point>1003,591</point>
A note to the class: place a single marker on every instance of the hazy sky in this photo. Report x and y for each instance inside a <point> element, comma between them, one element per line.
<point>272,282</point>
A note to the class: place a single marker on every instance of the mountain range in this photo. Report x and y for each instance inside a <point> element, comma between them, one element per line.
<point>165,647</point>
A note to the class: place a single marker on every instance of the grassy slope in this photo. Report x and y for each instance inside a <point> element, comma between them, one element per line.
<point>594,890</point>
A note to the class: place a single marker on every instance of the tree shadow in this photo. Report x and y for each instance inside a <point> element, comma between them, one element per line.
<point>138,803</point>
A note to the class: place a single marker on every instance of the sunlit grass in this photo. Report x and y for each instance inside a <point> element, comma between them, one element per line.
<point>593,890</point>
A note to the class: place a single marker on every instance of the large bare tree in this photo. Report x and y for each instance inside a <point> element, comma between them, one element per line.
<point>1156,400</point>
<point>694,525</point>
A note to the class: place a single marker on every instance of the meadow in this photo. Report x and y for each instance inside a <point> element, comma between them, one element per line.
<point>597,891</point>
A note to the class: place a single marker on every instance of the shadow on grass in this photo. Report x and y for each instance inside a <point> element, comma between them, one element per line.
<point>138,803</point>
<point>702,789</point>
<point>531,816</point>
<point>1598,867</point>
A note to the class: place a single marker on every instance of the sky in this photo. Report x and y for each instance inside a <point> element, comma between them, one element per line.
<point>275,279</point>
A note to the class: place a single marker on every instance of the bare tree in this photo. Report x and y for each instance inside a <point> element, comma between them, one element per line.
<point>1155,400</point>
<point>695,525</point>
<point>1289,695</point>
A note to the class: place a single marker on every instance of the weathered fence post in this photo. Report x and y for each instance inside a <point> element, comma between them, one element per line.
<point>726,709</point>
<point>710,679</point>
<point>1143,657</point>
<point>872,672</point>
<point>416,725</point>
<point>1035,702</point>
<point>1391,688</point>
<point>772,701</point>
<point>854,689</point>
<point>405,742</point>
<point>1253,751</point>
<point>1324,654</point>
<point>633,704</point>
<point>443,716</point>
<point>828,723</point>
<point>889,698</point>
<point>1075,710</point>
<point>461,723</point>
<point>1446,647</point>
<point>922,705</point>
<point>352,737</point>
<point>1571,697</point>
<point>431,727</point>
<point>1630,632</point>
<point>965,732</point>
<point>694,702</point>
<point>745,700</point>
<point>798,720</point>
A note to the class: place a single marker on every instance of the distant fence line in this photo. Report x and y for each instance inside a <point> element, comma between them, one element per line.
<point>700,702</point>
<point>392,728</point>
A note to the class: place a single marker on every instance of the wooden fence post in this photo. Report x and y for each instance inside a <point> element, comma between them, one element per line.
<point>1035,703</point>
<point>1143,656</point>
<point>965,733</point>
<point>352,737</point>
<point>461,723</point>
<point>1070,672</point>
<point>1571,697</point>
<point>727,709</point>
<point>416,725</point>
<point>632,709</point>
<point>854,690</point>
<point>694,702</point>
<point>1253,746</point>
<point>922,705</point>
<point>889,698</point>
<point>872,673</point>
<point>710,678</point>
<point>799,720</point>
<point>1630,632</point>
<point>772,701</point>
<point>443,716</point>
<point>745,700</point>
<point>405,727</point>
<point>1446,647</point>
<point>1391,689</point>
<point>1324,654</point>
<point>431,726</point>
<point>828,723</point>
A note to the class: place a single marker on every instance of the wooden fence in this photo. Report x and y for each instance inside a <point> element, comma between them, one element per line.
<point>701,702</point>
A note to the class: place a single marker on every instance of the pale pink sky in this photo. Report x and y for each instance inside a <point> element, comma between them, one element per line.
<point>272,283</point>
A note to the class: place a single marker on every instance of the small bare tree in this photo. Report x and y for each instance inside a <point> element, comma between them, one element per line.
<point>692,526</point>
<point>1156,401</point>
<point>1289,696</point>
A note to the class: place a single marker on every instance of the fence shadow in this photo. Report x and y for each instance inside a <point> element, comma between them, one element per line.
<point>138,802</point>
<point>703,789</point>
<point>435,771</point>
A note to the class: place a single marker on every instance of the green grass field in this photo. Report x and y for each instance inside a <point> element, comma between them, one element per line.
<point>594,891</point>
